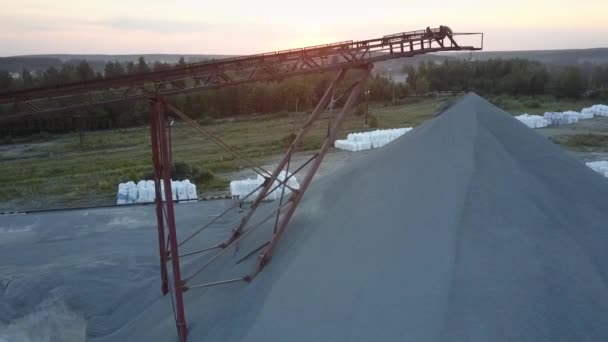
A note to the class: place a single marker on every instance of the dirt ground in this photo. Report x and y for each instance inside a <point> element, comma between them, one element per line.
<point>597,125</point>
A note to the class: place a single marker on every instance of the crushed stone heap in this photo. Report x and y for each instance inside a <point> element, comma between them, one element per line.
<point>471,227</point>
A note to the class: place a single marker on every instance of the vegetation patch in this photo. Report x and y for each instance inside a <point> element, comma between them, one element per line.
<point>584,142</point>
<point>372,122</point>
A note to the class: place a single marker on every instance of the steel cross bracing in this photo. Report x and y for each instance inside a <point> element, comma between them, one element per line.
<point>193,77</point>
<point>154,87</point>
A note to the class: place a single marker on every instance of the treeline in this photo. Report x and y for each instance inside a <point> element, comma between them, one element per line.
<point>297,94</point>
<point>72,72</point>
<point>514,77</point>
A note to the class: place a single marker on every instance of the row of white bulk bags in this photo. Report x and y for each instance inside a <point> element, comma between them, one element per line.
<point>533,121</point>
<point>599,166</point>
<point>353,146</point>
<point>596,110</point>
<point>368,140</point>
<point>145,192</point>
<point>559,118</point>
<point>563,118</point>
<point>379,138</point>
<point>185,190</point>
<point>583,115</point>
<point>181,190</point>
<point>244,187</point>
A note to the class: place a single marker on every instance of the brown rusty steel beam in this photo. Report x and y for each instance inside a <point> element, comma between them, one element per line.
<point>303,131</point>
<point>297,197</point>
<point>162,173</point>
<point>160,220</point>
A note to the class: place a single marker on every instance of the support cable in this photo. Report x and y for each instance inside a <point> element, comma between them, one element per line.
<point>252,252</point>
<point>253,165</point>
<point>201,251</point>
<point>243,199</point>
<point>217,217</point>
<point>239,238</point>
<point>276,222</point>
<point>258,169</point>
<point>218,283</point>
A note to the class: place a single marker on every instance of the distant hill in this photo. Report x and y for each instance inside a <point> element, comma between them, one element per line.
<point>41,62</point>
<point>576,56</point>
<point>17,63</point>
<point>556,57</point>
<point>560,57</point>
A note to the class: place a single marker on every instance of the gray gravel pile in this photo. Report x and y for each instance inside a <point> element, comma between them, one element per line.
<point>472,227</point>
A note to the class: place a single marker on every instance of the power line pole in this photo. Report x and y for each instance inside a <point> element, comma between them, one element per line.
<point>366,105</point>
<point>393,81</point>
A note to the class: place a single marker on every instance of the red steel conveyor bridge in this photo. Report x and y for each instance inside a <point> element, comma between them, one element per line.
<point>156,87</point>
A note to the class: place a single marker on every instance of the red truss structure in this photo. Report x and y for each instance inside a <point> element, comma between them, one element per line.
<point>356,57</point>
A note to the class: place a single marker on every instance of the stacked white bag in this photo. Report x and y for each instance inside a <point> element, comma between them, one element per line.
<point>131,192</point>
<point>368,140</point>
<point>190,190</point>
<point>599,167</point>
<point>533,121</point>
<point>144,191</point>
<point>123,192</point>
<point>150,191</point>
<point>242,188</point>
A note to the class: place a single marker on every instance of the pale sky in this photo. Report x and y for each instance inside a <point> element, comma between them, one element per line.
<point>252,26</point>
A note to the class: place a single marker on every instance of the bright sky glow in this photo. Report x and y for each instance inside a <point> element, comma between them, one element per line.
<point>245,26</point>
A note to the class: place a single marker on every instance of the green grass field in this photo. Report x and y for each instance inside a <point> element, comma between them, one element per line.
<point>62,172</point>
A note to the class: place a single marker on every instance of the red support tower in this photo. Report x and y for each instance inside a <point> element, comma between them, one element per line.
<point>165,214</point>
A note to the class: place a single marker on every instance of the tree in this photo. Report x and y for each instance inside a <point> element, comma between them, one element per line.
<point>84,71</point>
<point>422,85</point>
<point>131,68</point>
<point>51,76</point>
<point>160,66</point>
<point>114,69</point>
<point>142,66</point>
<point>67,73</point>
<point>410,71</point>
<point>26,78</point>
<point>380,88</point>
<point>570,83</point>
<point>6,81</point>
